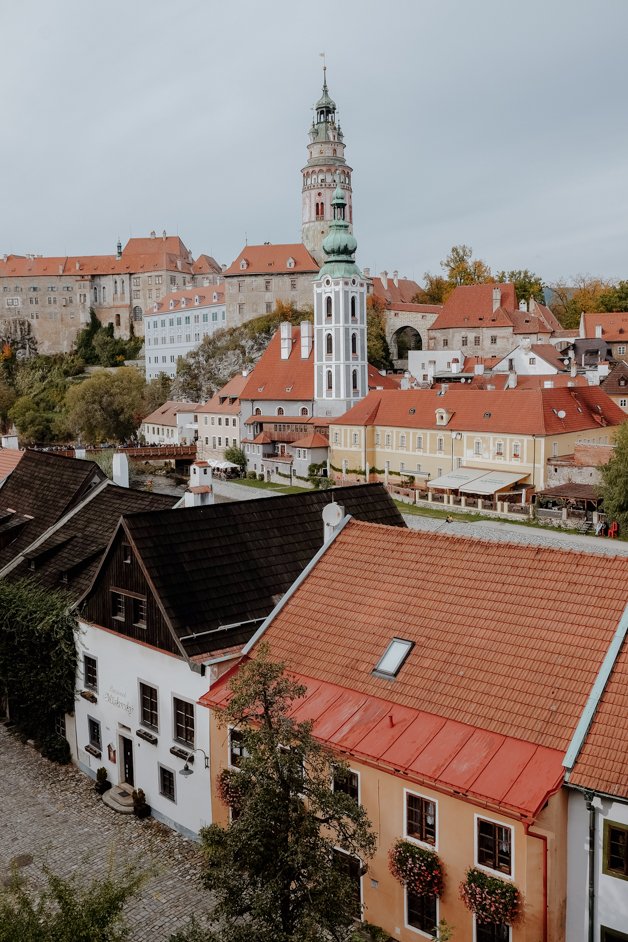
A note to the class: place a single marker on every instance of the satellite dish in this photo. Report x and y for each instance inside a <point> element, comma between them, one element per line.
<point>332,514</point>
<point>566,361</point>
<point>561,414</point>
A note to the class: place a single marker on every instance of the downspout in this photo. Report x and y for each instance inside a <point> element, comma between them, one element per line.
<point>543,838</point>
<point>588,798</point>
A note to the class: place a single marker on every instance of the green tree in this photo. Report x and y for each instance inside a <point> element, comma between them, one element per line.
<point>435,290</point>
<point>273,871</point>
<point>157,392</point>
<point>614,298</point>
<point>7,398</point>
<point>36,422</point>
<point>462,269</point>
<point>569,301</point>
<point>527,285</point>
<point>378,351</point>
<point>96,344</point>
<point>236,456</point>
<point>106,407</point>
<point>614,487</point>
<point>65,911</point>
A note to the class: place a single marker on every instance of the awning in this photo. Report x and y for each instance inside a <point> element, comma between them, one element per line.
<point>492,482</point>
<point>221,465</point>
<point>455,479</point>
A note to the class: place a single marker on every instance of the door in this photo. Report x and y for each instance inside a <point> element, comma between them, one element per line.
<point>127,760</point>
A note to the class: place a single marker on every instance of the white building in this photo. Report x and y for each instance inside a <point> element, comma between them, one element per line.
<point>177,325</point>
<point>174,423</point>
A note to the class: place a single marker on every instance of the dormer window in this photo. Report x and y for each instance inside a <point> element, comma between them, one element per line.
<point>171,305</point>
<point>393,658</point>
<point>442,416</point>
<point>290,263</point>
<point>244,265</point>
<point>196,299</point>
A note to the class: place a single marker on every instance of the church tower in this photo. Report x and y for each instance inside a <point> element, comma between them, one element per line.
<point>326,169</point>
<point>340,364</point>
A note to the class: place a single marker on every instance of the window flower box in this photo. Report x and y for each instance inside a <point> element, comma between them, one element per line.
<point>494,901</point>
<point>146,736</point>
<point>417,868</point>
<point>89,695</point>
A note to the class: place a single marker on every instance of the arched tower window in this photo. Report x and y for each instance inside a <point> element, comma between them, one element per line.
<point>353,308</point>
<point>329,381</point>
<point>354,380</point>
<point>280,411</point>
<point>354,345</point>
<point>304,410</point>
<point>329,345</point>
<point>328,306</point>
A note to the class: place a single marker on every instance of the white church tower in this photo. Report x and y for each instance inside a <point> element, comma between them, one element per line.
<point>326,169</point>
<point>340,377</point>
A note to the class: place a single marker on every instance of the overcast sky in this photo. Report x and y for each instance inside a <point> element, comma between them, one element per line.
<point>498,123</point>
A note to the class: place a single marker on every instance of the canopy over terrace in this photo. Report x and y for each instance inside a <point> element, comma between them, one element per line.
<point>476,481</point>
<point>575,497</point>
<point>455,479</point>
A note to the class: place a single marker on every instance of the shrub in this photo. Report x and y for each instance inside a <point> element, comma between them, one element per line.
<point>260,477</point>
<point>251,475</point>
<point>416,867</point>
<point>140,808</point>
<point>56,748</point>
<point>102,782</point>
<point>492,900</point>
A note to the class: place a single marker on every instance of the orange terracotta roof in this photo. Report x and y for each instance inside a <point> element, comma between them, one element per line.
<point>549,353</point>
<point>546,314</point>
<point>395,294</point>
<point>501,771</point>
<point>315,420</point>
<point>500,381</point>
<point>167,413</point>
<point>313,440</point>
<point>227,400</point>
<point>9,460</point>
<point>206,265</point>
<point>525,323</point>
<point>378,381</point>
<point>205,294</point>
<point>488,363</point>
<point>614,325</point>
<point>263,439</point>
<point>518,662</point>
<point>155,246</point>
<point>517,411</point>
<point>272,259</point>
<point>277,379</point>
<point>616,383</point>
<point>475,303</point>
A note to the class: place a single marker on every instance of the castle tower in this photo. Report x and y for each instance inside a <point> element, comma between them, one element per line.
<point>340,364</point>
<point>326,169</point>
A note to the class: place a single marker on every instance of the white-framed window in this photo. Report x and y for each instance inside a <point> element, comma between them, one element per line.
<point>516,451</point>
<point>149,706</point>
<point>421,913</point>
<point>499,449</point>
<point>621,349</point>
<point>623,403</point>
<point>494,846</point>
<point>388,440</point>
<point>183,721</point>
<point>477,446</point>
<point>90,672</point>
<point>355,438</point>
<point>352,867</point>
<point>93,733</point>
<point>484,932</point>
<point>420,818</point>
<point>419,443</point>
<point>554,449</point>
<point>402,441</point>
<point>440,445</point>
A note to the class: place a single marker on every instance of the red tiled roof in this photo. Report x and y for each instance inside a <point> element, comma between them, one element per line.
<point>544,312</point>
<point>501,770</point>
<point>204,294</point>
<point>522,411</point>
<point>273,259</point>
<point>507,638</point>
<point>263,439</point>
<point>614,325</point>
<point>167,413</point>
<point>488,362</point>
<point>395,294</point>
<point>616,383</point>
<point>500,381</point>
<point>549,353</point>
<point>277,379</point>
<point>227,399</point>
<point>377,381</point>
<point>313,440</point>
<point>475,303</point>
<point>9,460</point>
<point>206,265</point>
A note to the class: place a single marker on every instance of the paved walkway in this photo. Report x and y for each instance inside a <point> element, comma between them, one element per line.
<point>52,814</point>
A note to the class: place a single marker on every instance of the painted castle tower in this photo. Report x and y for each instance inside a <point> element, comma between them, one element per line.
<point>326,169</point>
<point>340,364</point>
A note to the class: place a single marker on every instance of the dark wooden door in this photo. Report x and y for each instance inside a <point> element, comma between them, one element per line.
<point>127,760</point>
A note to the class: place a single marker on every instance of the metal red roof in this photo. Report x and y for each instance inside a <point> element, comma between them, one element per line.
<point>517,776</point>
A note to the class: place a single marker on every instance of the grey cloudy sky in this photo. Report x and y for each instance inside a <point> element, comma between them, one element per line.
<point>499,123</point>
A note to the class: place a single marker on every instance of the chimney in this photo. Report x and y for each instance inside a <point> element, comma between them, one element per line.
<point>60,269</point>
<point>285,331</point>
<point>523,306</point>
<point>598,330</point>
<point>365,271</point>
<point>200,491</point>
<point>120,469</point>
<point>574,369</point>
<point>9,441</point>
<point>307,337</point>
<point>396,279</point>
<point>497,298</point>
<point>384,279</point>
<point>77,265</point>
<point>119,249</point>
<point>478,369</point>
<point>153,234</point>
<point>163,235</point>
<point>333,515</point>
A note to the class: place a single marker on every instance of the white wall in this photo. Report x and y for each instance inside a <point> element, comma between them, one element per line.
<point>168,336</point>
<point>422,364</point>
<point>526,363</point>
<point>122,664</point>
<point>611,892</point>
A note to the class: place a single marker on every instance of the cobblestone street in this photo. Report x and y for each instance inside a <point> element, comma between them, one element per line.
<point>53,814</point>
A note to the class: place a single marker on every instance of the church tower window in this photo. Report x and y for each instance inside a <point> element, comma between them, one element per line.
<point>330,383</point>
<point>354,345</point>
<point>328,306</point>
<point>329,345</point>
<point>353,308</point>
<point>354,380</point>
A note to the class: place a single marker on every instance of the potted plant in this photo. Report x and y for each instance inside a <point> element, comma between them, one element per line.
<point>416,867</point>
<point>140,808</point>
<point>494,901</point>
<point>230,789</point>
<point>102,782</point>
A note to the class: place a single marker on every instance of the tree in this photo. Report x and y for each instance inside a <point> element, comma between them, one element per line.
<point>7,398</point>
<point>462,269</point>
<point>527,285</point>
<point>378,351</point>
<point>96,344</point>
<point>614,298</point>
<point>436,288</point>
<point>568,302</point>
<point>236,456</point>
<point>108,406</point>
<point>65,911</point>
<point>615,481</point>
<point>273,871</point>
<point>157,392</point>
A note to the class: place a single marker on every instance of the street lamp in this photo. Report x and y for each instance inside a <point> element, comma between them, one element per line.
<point>456,436</point>
<point>186,770</point>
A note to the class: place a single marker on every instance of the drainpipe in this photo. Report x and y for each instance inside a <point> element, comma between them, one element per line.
<point>588,798</point>
<point>543,838</point>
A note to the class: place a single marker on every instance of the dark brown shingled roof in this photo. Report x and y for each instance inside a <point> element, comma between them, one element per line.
<point>70,556</point>
<point>226,564</point>
<point>42,488</point>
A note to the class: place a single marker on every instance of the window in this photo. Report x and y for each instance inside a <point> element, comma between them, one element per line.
<point>304,411</point>
<point>166,783</point>
<point>149,711</point>
<point>420,819</point>
<point>293,284</point>
<point>90,672</point>
<point>494,846</point>
<point>328,307</point>
<point>329,345</point>
<point>477,447</point>
<point>476,340</point>
<point>421,912</point>
<point>623,403</point>
<point>268,284</point>
<point>445,343</point>
<point>393,657</point>
<point>139,612</point>
<point>93,733</point>
<point>268,307</point>
<point>330,382</point>
<point>354,380</point>
<point>465,340</point>
<point>353,311</point>
<point>237,749</point>
<point>516,451</point>
<point>126,553</point>
<point>351,867</point>
<point>348,782</point>
<point>440,445</point>
<point>355,438</point>
<point>493,340</point>
<point>183,721</point>
<point>485,932</point>
<point>499,449</point>
<point>621,349</point>
<point>280,411</point>
<point>402,440</point>
<point>419,443</point>
<point>554,449</point>
<point>615,860</point>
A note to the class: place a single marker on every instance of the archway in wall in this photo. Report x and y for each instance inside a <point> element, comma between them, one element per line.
<point>404,339</point>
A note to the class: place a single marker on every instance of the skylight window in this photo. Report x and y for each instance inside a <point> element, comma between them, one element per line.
<point>395,654</point>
